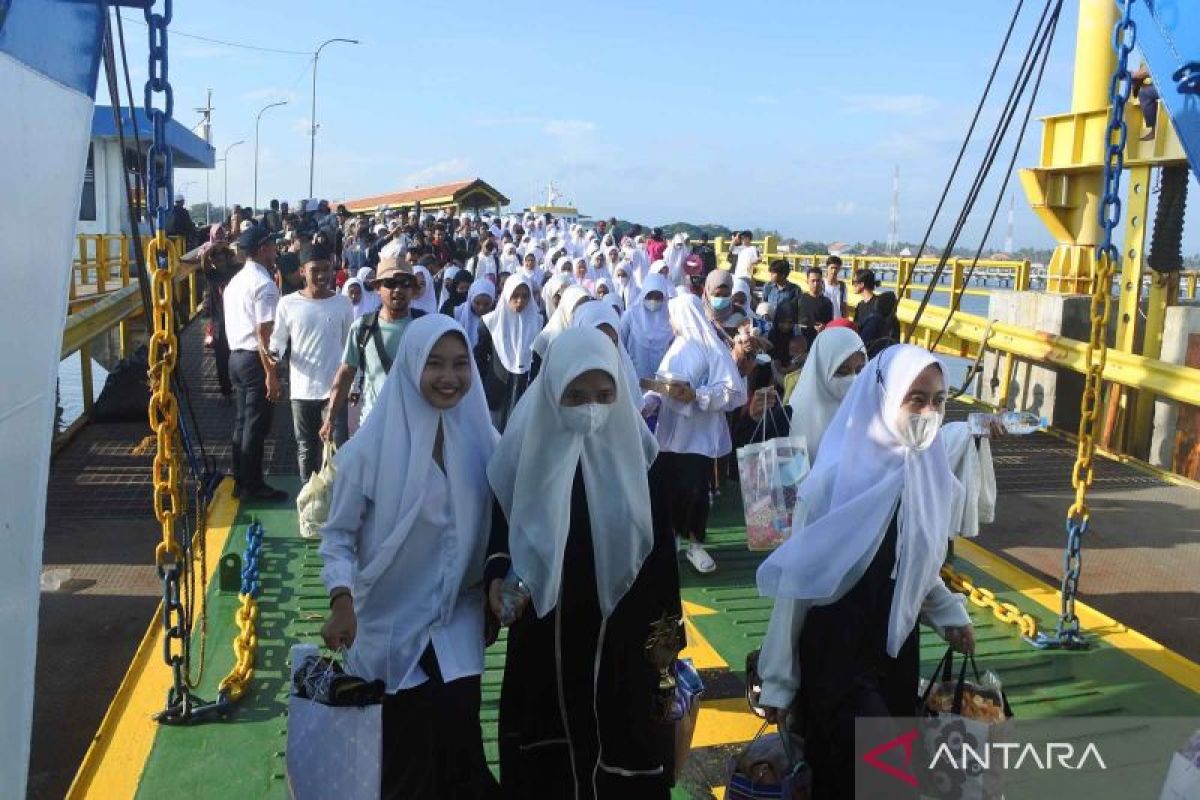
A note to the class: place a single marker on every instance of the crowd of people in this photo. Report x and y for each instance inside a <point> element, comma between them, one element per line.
<point>533,420</point>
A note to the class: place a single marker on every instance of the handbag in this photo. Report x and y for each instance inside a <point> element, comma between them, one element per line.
<point>770,767</point>
<point>957,714</point>
<point>770,472</point>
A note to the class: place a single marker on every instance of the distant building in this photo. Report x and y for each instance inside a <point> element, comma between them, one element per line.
<point>103,206</point>
<point>473,194</point>
<point>839,248</point>
<point>566,213</point>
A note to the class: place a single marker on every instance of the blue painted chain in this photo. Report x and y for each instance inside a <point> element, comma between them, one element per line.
<point>250,570</point>
<point>160,162</point>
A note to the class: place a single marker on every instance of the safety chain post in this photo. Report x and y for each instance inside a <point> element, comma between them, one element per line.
<point>1068,635</point>
<point>245,644</point>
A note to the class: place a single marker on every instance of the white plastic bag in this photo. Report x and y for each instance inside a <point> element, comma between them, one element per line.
<point>1183,779</point>
<point>770,472</point>
<point>334,751</point>
<point>312,504</point>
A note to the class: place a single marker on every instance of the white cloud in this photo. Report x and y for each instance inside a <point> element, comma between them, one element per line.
<point>905,104</point>
<point>568,128</point>
<point>844,208</point>
<point>450,168</point>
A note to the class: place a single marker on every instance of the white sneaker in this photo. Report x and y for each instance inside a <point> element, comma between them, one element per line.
<point>700,559</point>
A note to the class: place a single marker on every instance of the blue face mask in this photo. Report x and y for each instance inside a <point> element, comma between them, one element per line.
<point>720,303</point>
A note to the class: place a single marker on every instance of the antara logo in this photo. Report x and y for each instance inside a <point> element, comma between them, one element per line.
<point>1014,755</point>
<point>905,741</point>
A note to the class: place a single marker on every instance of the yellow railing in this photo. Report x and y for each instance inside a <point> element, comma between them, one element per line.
<point>105,294</point>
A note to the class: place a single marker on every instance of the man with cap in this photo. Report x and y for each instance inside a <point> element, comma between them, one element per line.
<point>373,342</point>
<point>179,223</point>
<point>249,303</point>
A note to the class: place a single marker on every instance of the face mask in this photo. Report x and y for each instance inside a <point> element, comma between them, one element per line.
<point>720,303</point>
<point>585,419</point>
<point>840,385</point>
<point>652,305</point>
<point>917,431</point>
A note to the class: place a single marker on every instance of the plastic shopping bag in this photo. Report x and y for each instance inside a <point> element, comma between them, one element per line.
<point>770,766</point>
<point>962,713</point>
<point>333,750</point>
<point>312,504</point>
<point>770,473</point>
<point>1183,779</point>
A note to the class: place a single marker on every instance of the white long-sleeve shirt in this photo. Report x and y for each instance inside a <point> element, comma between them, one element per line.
<point>315,331</point>
<point>700,426</point>
<point>418,600</point>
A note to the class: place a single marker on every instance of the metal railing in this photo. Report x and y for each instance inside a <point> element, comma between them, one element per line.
<point>105,295</point>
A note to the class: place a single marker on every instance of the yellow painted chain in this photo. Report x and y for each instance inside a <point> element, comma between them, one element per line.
<point>1089,405</point>
<point>1007,613</point>
<point>164,408</point>
<point>245,644</point>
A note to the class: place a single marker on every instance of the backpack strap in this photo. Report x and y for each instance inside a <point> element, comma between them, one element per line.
<point>370,330</point>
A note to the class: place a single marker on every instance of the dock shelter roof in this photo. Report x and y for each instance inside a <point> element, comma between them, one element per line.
<point>188,149</point>
<point>471,193</point>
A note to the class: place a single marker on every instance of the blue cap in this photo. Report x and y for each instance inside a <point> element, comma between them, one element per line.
<point>253,238</point>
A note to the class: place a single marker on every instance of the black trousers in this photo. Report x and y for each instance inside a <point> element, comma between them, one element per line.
<point>307,418</point>
<point>687,492</point>
<point>252,417</point>
<point>433,742</point>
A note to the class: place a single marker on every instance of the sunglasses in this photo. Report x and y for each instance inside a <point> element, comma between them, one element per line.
<point>403,282</point>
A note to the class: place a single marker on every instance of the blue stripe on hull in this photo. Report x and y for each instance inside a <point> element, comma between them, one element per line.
<point>58,38</point>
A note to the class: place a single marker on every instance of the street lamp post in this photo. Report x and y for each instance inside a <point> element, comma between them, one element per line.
<point>227,149</point>
<point>312,149</point>
<point>257,120</point>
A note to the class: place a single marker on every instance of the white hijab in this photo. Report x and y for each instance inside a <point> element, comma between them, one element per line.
<point>369,301</point>
<point>448,276</point>
<point>816,398</point>
<point>512,333</point>
<point>553,285</point>
<point>560,320</point>
<point>533,470</point>
<point>862,472</point>
<point>510,262</point>
<point>675,254</point>
<point>593,315</point>
<point>426,302</point>
<point>465,313</point>
<point>391,455</point>
<point>647,334</point>
<point>698,353</point>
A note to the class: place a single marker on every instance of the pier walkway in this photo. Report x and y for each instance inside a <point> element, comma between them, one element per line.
<point>1140,563</point>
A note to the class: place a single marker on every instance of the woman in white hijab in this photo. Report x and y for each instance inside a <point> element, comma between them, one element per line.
<point>623,282</point>
<point>646,327</point>
<point>510,262</point>
<point>560,320</point>
<point>862,565</point>
<point>603,318</point>
<point>836,357</point>
<point>692,428</point>
<point>552,291</point>
<point>676,253</point>
<point>404,549</point>
<point>424,298</point>
<point>530,269</point>
<point>504,352</point>
<point>481,297</point>
<point>586,537</point>
<point>362,299</point>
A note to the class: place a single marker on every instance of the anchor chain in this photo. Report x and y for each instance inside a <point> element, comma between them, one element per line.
<point>1067,634</point>
<point>245,643</point>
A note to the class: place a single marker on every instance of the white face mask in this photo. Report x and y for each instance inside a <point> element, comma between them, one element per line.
<point>840,385</point>
<point>652,305</point>
<point>918,431</point>
<point>585,419</point>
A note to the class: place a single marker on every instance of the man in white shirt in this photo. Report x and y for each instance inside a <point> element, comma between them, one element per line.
<point>249,302</point>
<point>312,325</point>
<point>747,258</point>
<point>835,287</point>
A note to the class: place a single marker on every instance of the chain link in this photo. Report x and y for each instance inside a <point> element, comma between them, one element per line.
<point>1067,633</point>
<point>1008,613</point>
<point>245,643</point>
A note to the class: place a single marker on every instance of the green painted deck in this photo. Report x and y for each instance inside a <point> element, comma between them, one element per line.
<point>243,756</point>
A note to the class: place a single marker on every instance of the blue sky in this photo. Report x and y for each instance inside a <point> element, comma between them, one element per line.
<point>788,115</point>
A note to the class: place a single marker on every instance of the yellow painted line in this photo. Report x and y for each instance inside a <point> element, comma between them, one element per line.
<point>726,721</point>
<point>112,767</point>
<point>702,654</point>
<point>1137,645</point>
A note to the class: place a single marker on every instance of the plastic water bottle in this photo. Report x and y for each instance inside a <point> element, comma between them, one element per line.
<point>514,595</point>
<point>1015,423</point>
